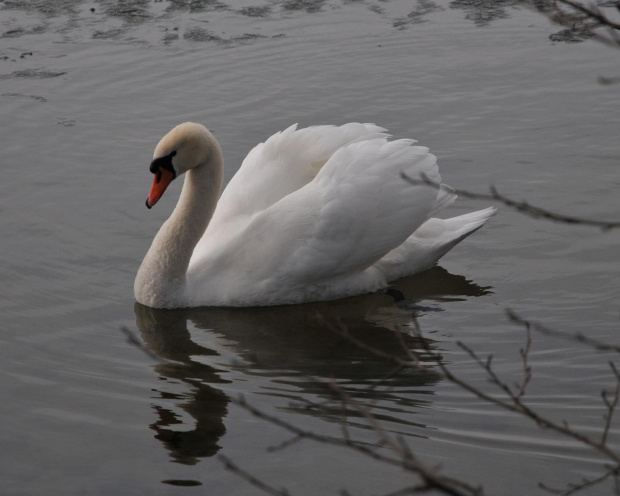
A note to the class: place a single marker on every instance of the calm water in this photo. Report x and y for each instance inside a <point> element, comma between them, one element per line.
<point>87,89</point>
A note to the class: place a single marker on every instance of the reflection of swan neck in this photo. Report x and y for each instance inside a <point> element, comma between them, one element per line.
<point>161,277</point>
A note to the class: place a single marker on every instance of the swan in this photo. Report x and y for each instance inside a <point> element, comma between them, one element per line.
<point>312,214</point>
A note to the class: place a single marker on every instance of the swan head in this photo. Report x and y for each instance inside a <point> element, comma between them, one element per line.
<point>185,147</point>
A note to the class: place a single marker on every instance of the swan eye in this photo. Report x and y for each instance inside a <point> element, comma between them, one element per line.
<point>164,162</point>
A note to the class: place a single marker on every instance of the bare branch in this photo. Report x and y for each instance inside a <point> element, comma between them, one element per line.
<point>593,11</point>
<point>405,458</point>
<point>600,446</point>
<point>521,206</point>
<point>486,365</point>
<point>580,19</point>
<point>334,441</point>
<point>611,404</point>
<point>575,488</point>
<point>133,340</point>
<point>285,444</point>
<point>578,337</point>
<point>527,369</point>
<point>230,465</point>
<point>432,479</point>
<point>516,405</point>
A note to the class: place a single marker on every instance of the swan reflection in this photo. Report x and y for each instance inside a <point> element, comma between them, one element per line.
<point>211,349</point>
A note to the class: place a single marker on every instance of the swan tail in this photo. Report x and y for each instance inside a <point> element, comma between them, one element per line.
<point>431,241</point>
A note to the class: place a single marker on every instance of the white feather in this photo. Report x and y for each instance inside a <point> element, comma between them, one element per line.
<point>322,213</point>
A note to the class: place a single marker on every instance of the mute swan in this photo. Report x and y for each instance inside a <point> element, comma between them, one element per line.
<point>312,214</point>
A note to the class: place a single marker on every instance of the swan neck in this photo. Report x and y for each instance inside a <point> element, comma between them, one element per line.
<point>161,278</point>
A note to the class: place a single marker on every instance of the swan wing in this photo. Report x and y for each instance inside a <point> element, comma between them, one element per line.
<point>363,206</point>
<point>284,163</point>
<point>355,210</point>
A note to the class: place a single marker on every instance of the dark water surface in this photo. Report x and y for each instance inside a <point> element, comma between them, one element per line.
<point>86,91</point>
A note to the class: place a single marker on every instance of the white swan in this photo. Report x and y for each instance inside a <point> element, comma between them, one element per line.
<point>312,214</point>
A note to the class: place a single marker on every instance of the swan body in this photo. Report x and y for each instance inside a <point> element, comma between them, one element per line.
<point>313,214</point>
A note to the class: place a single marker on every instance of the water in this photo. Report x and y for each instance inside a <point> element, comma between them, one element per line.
<point>87,89</point>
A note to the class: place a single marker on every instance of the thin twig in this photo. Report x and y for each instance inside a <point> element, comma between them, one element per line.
<point>133,340</point>
<point>592,12</point>
<point>285,444</point>
<point>520,206</point>
<point>444,484</point>
<point>241,402</point>
<point>486,365</point>
<point>551,9</point>
<point>516,405</point>
<point>574,488</point>
<point>578,337</point>
<point>514,402</point>
<point>527,369</point>
<point>611,405</point>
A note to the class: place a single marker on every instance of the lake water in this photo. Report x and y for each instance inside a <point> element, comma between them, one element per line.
<point>87,88</point>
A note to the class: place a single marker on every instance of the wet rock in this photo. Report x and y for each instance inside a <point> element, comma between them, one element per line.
<point>22,95</point>
<point>262,11</point>
<point>483,11</point>
<point>197,5</point>
<point>131,11</point>
<point>202,35</point>
<point>416,16</point>
<point>570,36</point>
<point>307,5</point>
<point>32,73</point>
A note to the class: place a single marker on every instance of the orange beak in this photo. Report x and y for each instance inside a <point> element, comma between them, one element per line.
<point>161,181</point>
